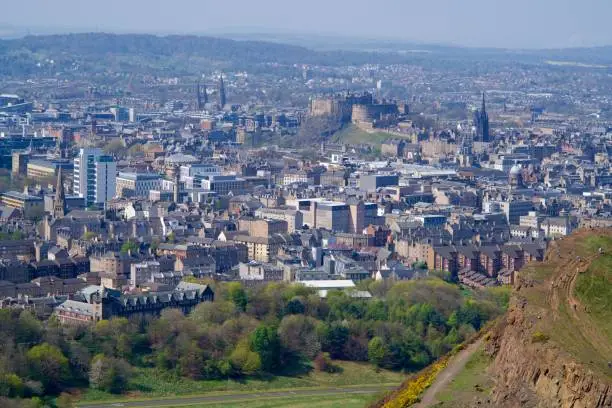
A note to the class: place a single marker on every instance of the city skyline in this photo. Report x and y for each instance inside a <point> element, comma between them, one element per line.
<point>473,23</point>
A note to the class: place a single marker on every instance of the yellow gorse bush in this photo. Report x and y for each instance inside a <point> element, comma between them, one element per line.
<point>413,388</point>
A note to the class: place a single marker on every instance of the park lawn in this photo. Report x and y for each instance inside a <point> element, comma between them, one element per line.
<point>344,401</point>
<point>471,381</point>
<point>151,383</point>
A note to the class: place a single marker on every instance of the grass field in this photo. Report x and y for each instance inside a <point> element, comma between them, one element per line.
<point>471,381</point>
<point>150,383</point>
<point>350,401</point>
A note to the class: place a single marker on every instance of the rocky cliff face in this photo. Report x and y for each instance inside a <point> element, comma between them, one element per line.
<point>529,374</point>
<point>537,347</point>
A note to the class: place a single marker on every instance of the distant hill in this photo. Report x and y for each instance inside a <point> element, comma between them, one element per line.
<point>187,53</point>
<point>177,53</point>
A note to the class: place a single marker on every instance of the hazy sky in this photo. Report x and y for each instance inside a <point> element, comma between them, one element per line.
<point>498,23</point>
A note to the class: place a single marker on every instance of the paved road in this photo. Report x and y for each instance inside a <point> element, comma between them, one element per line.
<point>238,397</point>
<point>454,367</point>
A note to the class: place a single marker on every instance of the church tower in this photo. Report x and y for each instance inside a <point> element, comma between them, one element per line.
<point>204,94</point>
<point>481,122</point>
<point>199,97</point>
<point>177,184</point>
<point>222,96</point>
<point>59,203</point>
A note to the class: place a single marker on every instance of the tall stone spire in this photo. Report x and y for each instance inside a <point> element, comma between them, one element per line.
<point>484,110</point>
<point>222,96</point>
<point>59,203</point>
<point>199,96</point>
<point>204,94</point>
<point>177,184</point>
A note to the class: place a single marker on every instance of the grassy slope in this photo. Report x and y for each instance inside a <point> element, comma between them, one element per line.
<point>472,380</point>
<point>150,383</point>
<point>594,289</point>
<point>351,134</point>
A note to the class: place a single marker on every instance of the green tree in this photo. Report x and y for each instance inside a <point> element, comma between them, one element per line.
<point>266,343</point>
<point>335,337</point>
<point>244,361</point>
<point>298,336</point>
<point>129,246</point>
<point>28,330</point>
<point>11,386</point>
<point>89,235</point>
<point>237,295</point>
<point>377,351</point>
<point>295,306</point>
<point>48,365</point>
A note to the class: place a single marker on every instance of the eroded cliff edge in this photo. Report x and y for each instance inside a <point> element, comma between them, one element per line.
<point>554,347</point>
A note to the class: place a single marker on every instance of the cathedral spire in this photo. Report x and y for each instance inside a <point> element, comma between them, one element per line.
<point>483,103</point>
<point>222,96</point>
<point>59,203</point>
<point>198,96</point>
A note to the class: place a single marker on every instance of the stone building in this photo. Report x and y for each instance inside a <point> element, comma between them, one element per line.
<point>95,303</point>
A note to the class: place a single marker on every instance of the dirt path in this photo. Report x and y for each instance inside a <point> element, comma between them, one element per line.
<point>454,367</point>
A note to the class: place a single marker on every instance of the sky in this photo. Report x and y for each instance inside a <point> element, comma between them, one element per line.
<point>476,23</point>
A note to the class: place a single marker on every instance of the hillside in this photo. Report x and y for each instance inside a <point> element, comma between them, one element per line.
<point>189,54</point>
<point>351,135</point>
<point>554,346</point>
<point>179,54</point>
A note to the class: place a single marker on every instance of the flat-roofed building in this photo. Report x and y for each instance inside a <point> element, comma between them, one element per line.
<point>137,184</point>
<point>224,184</point>
<point>20,161</point>
<point>370,182</point>
<point>262,249</point>
<point>331,215</point>
<point>95,175</point>
<point>258,227</point>
<point>294,219</point>
<point>32,207</point>
<point>47,169</point>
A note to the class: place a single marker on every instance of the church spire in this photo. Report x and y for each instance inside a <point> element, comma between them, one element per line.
<point>198,96</point>
<point>59,203</point>
<point>483,103</point>
<point>222,96</point>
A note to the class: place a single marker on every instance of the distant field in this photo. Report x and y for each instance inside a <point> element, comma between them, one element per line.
<point>150,383</point>
<point>344,401</point>
<point>575,64</point>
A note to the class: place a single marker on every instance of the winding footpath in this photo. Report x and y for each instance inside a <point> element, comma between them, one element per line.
<point>454,367</point>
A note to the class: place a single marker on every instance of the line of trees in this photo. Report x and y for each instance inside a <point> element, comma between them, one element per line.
<point>267,330</point>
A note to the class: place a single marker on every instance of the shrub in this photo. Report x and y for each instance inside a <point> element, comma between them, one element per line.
<point>323,364</point>
<point>539,337</point>
<point>109,374</point>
